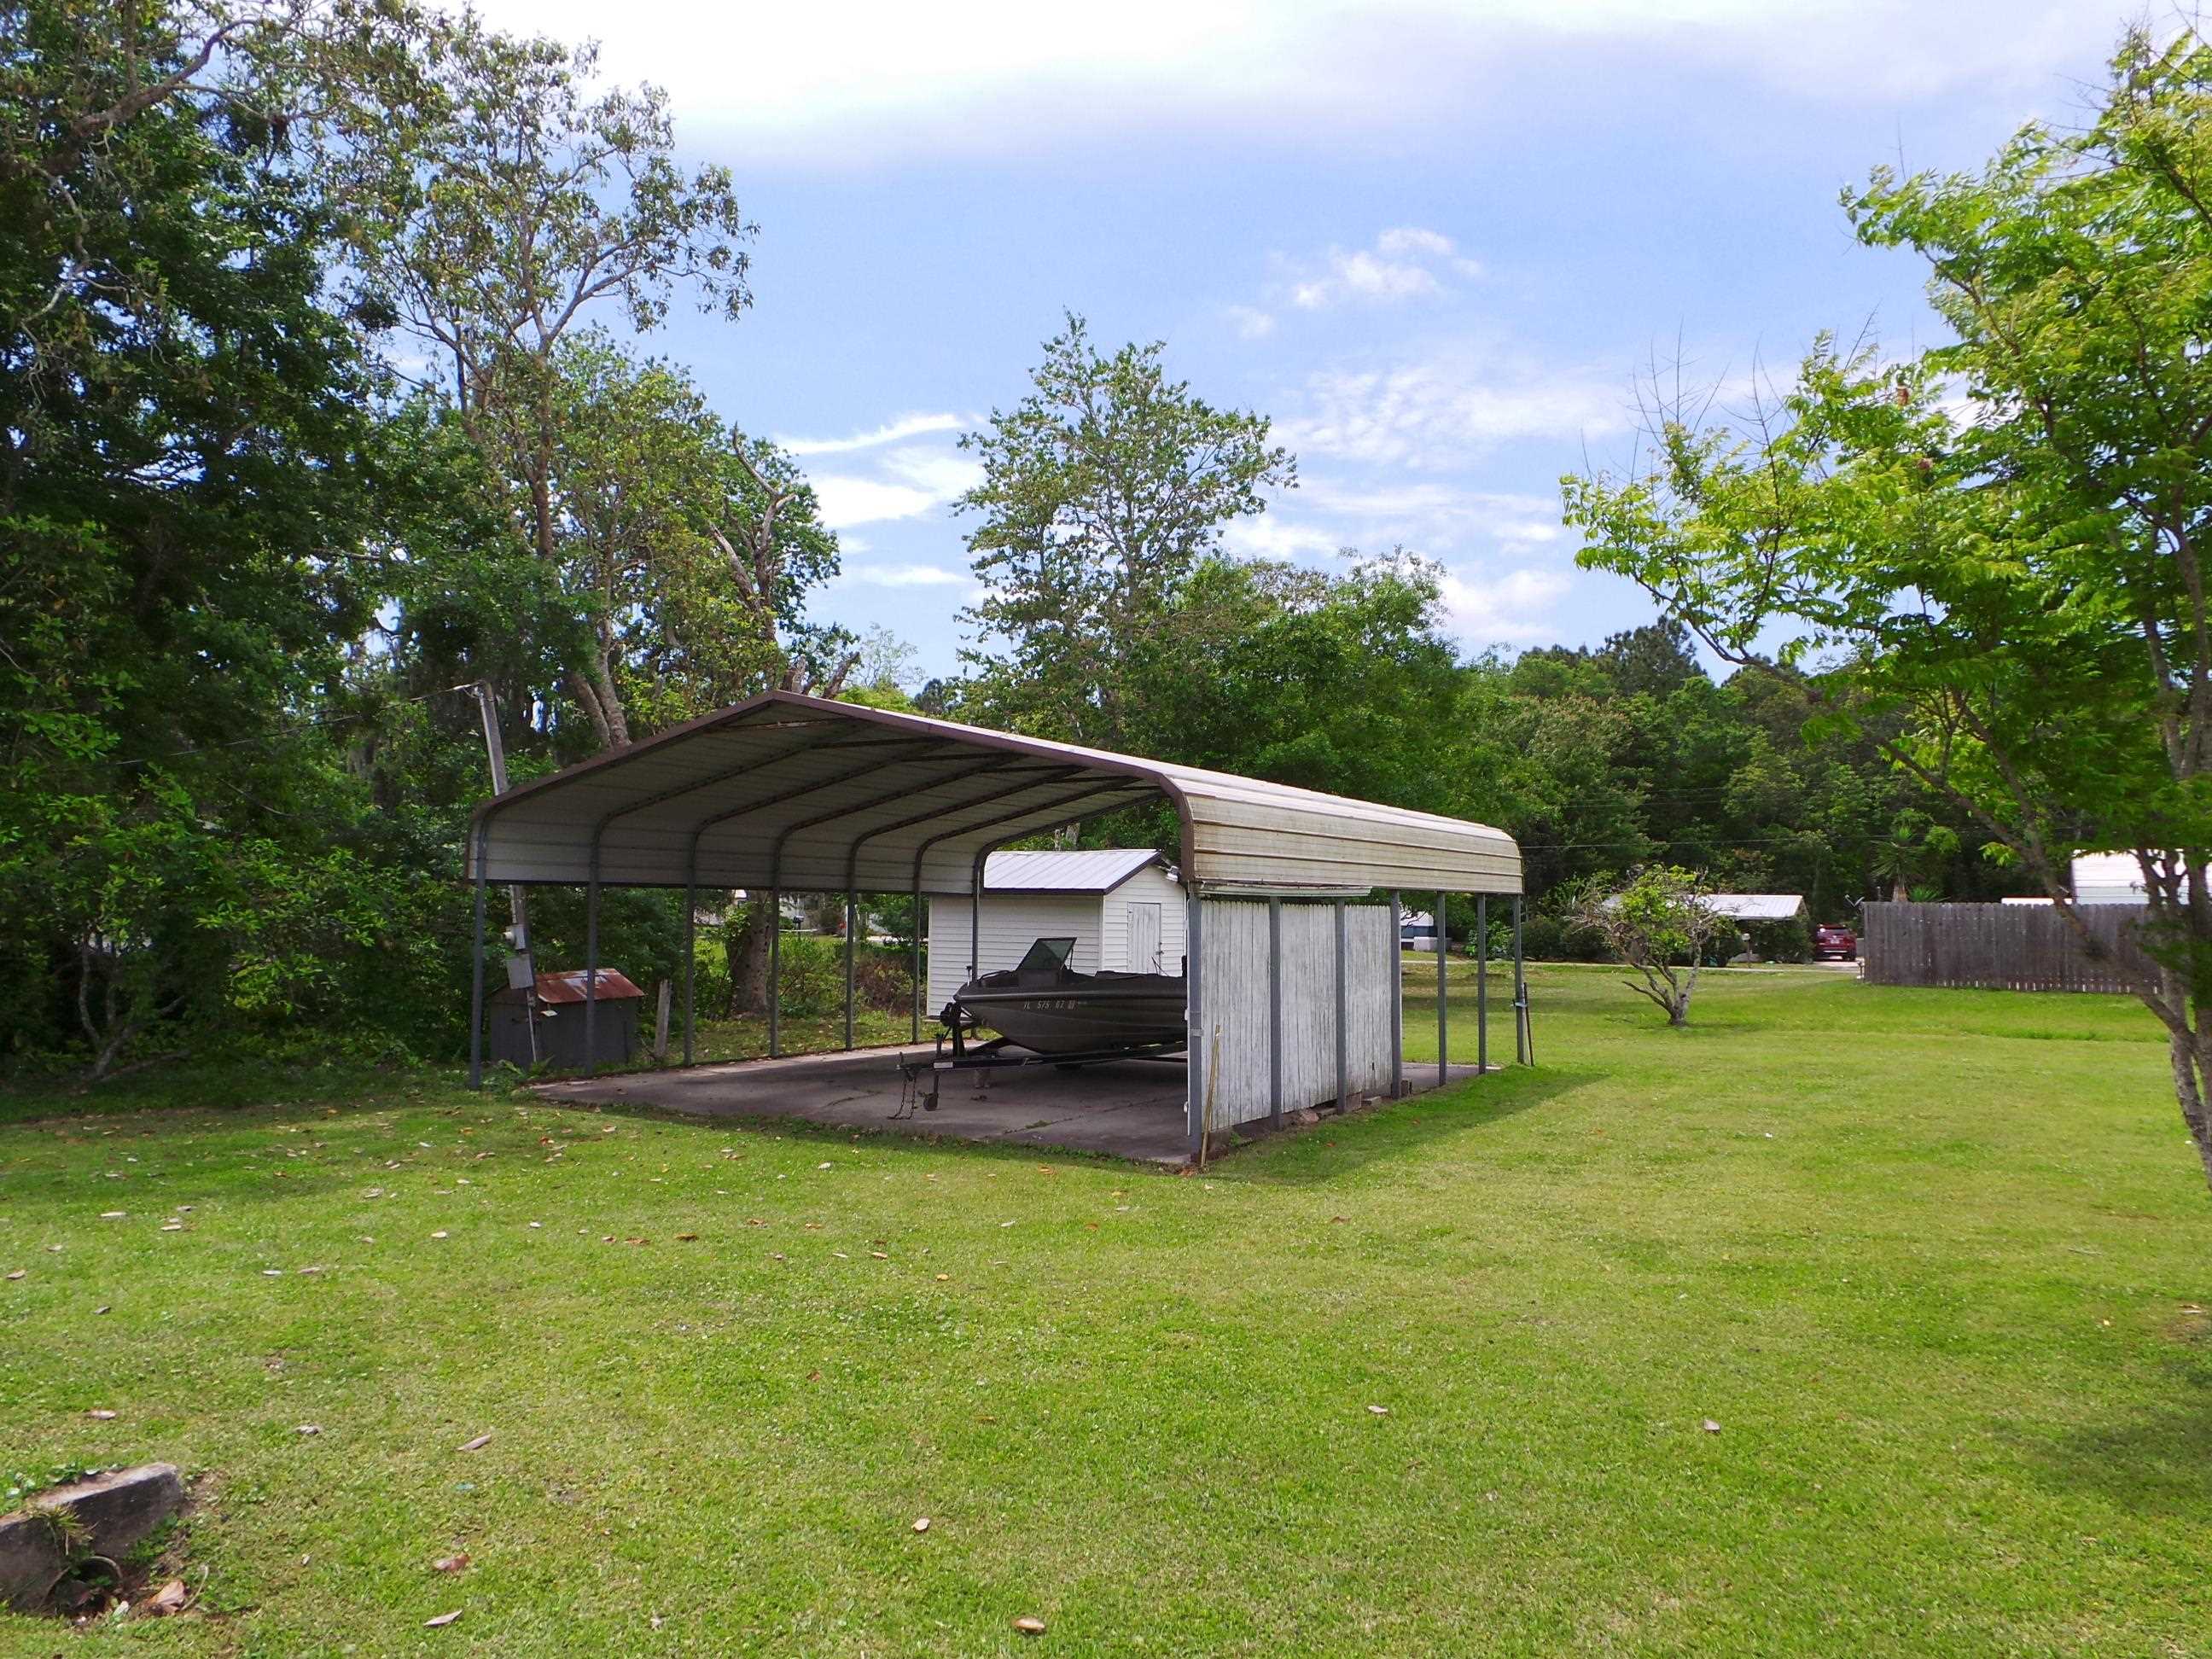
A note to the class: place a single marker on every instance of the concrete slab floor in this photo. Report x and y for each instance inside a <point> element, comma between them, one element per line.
<point>1131,1109</point>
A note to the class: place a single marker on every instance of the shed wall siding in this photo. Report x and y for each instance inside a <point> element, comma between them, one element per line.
<point>1235,1005</point>
<point>1011,923</point>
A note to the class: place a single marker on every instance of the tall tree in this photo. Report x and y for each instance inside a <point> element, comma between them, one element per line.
<point>2004,537</point>
<point>1103,490</point>
<point>510,208</point>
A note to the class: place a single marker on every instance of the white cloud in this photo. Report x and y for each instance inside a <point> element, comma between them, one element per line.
<point>1274,535</point>
<point>944,472</point>
<point>1451,408</point>
<point>887,77</point>
<point>904,575</point>
<point>845,500</point>
<point>1513,608</point>
<point>1250,322</point>
<point>910,480</point>
<point>906,426</point>
<point>1403,265</point>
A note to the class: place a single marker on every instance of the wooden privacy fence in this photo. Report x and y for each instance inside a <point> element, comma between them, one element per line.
<point>2003,947</point>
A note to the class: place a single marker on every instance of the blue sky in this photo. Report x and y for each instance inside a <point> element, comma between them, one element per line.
<point>1434,242</point>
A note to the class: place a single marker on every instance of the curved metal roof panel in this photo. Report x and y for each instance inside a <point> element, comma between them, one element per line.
<point>800,793</point>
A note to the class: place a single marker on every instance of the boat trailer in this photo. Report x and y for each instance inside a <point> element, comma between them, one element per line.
<point>999,1054</point>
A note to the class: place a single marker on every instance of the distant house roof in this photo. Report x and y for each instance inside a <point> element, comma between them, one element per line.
<point>1756,906</point>
<point>1097,871</point>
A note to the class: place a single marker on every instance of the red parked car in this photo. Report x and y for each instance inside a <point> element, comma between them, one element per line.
<point>1836,944</point>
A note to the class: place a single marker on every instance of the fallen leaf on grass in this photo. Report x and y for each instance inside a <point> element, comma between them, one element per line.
<point>1380,1411</point>
<point>170,1598</point>
<point>19,1273</point>
<point>1709,1426</point>
<point>101,1415</point>
<point>113,1215</point>
<point>476,1445</point>
<point>441,1233</point>
<point>922,1525</point>
<point>1030,1626</point>
<point>310,1428</point>
<point>944,1277</point>
<point>442,1618</point>
<point>879,1256</point>
<point>451,1563</point>
<point>686,1238</point>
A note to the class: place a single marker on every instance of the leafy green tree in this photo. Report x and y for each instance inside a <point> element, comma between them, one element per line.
<point>2002,538</point>
<point>1103,489</point>
<point>1662,925</point>
<point>513,203</point>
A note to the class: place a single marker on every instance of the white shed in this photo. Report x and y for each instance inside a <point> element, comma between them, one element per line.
<point>2107,878</point>
<point>1121,905</point>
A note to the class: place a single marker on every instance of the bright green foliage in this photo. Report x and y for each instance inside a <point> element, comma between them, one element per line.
<point>1661,924</point>
<point>2001,537</point>
<point>1103,490</point>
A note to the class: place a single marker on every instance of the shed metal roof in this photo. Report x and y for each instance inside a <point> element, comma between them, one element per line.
<point>1755,907</point>
<point>1088,870</point>
<point>799,793</point>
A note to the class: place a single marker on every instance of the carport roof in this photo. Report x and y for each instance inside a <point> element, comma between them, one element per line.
<point>802,793</point>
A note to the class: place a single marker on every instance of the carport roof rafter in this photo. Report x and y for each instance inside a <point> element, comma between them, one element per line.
<point>737,783</point>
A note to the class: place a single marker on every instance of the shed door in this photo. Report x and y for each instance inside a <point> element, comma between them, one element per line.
<point>1144,938</point>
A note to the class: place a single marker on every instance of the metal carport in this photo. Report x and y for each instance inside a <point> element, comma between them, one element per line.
<point>790,792</point>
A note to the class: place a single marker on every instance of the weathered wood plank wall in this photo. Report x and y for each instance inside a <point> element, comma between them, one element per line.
<point>2003,947</point>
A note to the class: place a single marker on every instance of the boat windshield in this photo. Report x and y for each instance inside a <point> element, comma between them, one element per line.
<point>1046,956</point>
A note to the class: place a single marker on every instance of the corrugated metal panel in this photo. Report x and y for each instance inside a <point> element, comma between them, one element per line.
<point>803,793</point>
<point>1235,1005</point>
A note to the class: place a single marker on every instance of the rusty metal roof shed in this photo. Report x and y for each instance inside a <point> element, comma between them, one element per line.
<point>798,793</point>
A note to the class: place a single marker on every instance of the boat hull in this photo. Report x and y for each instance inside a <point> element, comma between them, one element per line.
<point>1136,1010</point>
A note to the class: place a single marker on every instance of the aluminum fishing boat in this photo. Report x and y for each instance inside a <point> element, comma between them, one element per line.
<point>1044,1006</point>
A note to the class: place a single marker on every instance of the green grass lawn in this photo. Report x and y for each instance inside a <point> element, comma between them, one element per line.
<point>1932,1260</point>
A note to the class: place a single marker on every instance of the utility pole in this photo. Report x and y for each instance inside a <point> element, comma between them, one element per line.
<point>517,895</point>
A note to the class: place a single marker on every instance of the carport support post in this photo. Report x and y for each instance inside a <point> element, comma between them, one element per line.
<point>1397,998</point>
<point>852,926</point>
<point>775,972</point>
<point>690,953</point>
<point>1275,1012</point>
<point>476,980</point>
<point>1194,1014</point>
<point>916,975</point>
<point>1482,986</point>
<point>592,972</point>
<point>1343,1064</point>
<point>976,916</point>
<point>1522,1048</point>
<point>1444,1062</point>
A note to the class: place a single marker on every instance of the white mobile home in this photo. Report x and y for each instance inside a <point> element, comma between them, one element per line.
<point>1123,906</point>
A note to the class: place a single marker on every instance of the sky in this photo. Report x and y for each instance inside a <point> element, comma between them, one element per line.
<point>1436,243</point>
